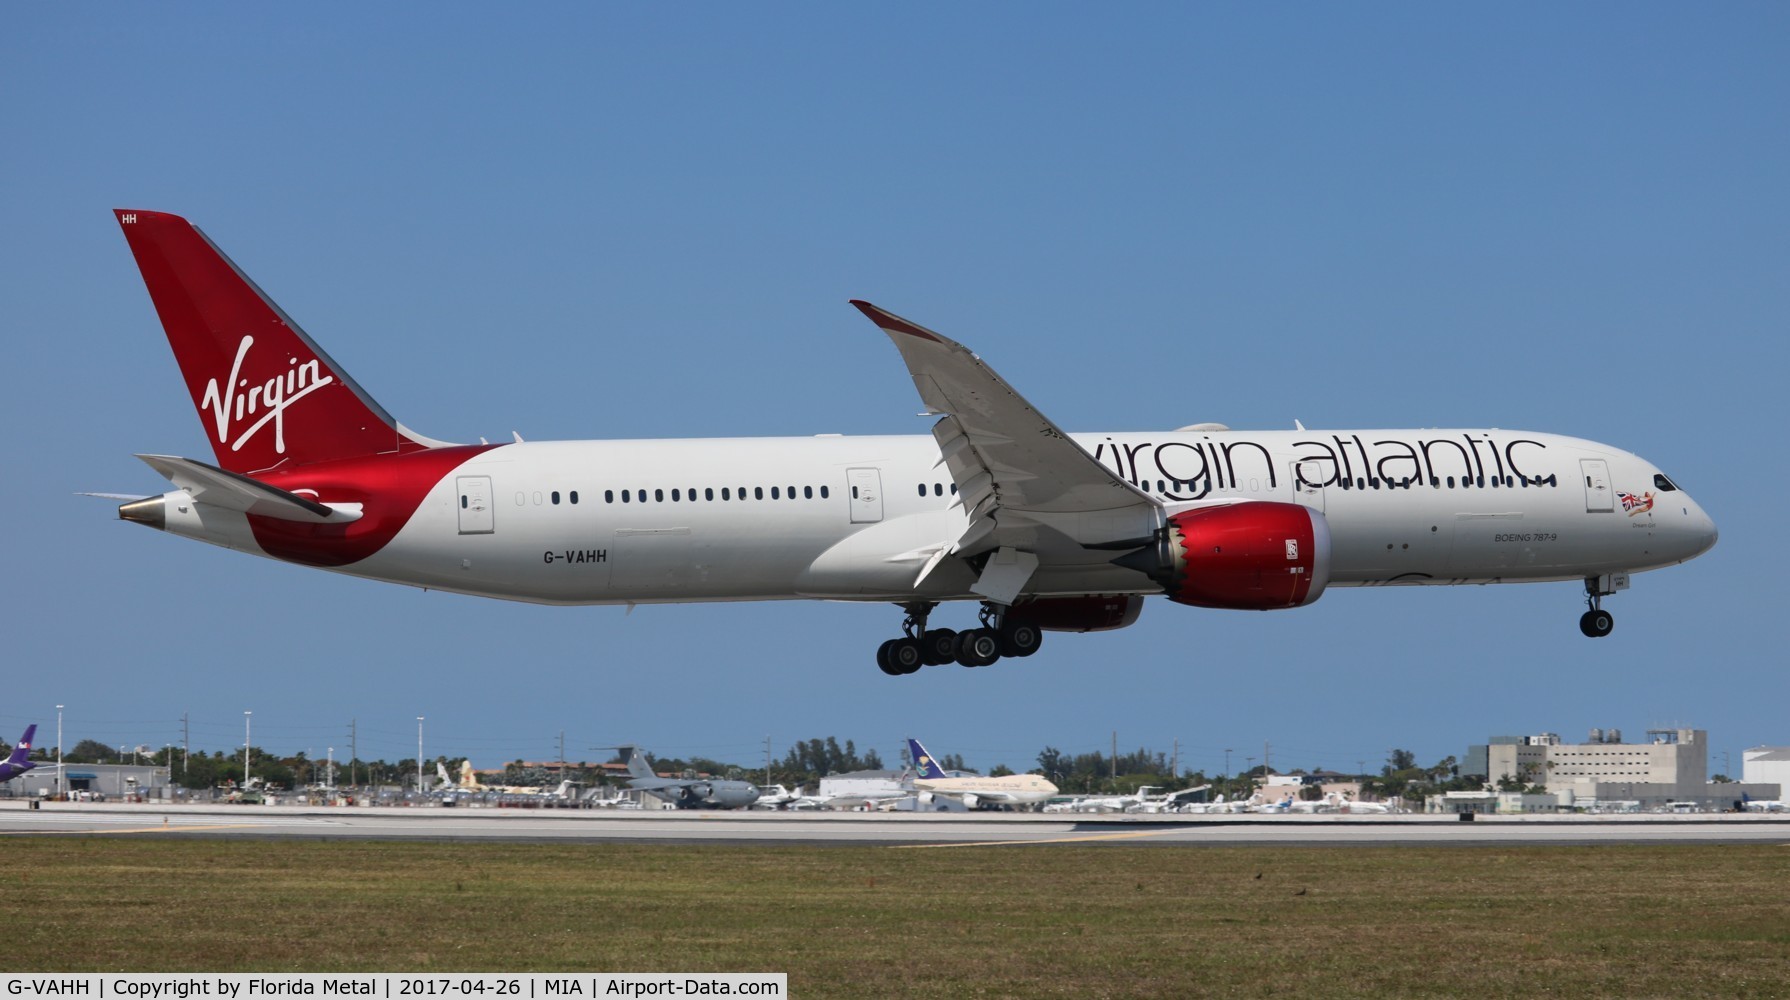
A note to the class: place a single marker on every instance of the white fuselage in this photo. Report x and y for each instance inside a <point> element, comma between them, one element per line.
<point>856,518</point>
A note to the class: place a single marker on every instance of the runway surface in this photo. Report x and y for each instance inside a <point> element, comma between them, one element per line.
<point>903,830</point>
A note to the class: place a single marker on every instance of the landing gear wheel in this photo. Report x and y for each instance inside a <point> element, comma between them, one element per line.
<point>938,646</point>
<point>904,656</point>
<point>1020,639</point>
<point>978,647</point>
<point>1597,623</point>
<point>882,659</point>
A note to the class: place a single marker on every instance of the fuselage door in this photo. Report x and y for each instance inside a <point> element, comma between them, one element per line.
<point>475,505</point>
<point>1598,497</point>
<point>865,487</point>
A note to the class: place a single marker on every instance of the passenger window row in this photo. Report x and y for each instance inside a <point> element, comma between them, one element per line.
<point>709,493</point>
<point>938,489</point>
<point>539,497</point>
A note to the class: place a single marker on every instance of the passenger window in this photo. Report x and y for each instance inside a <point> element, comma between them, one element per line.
<point>1451,482</point>
<point>708,493</point>
<point>640,495</point>
<point>462,505</point>
<point>823,492</point>
<point>789,492</point>
<point>922,489</point>
<point>658,496</point>
<point>608,496</point>
<point>574,496</point>
<point>555,495</point>
<point>938,489</point>
<point>854,492</point>
<point>674,494</point>
<point>726,494</point>
<point>773,493</point>
<point>807,492</point>
<point>758,492</point>
<point>624,496</point>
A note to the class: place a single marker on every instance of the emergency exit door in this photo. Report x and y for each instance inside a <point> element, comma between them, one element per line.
<point>475,505</point>
<point>1598,497</point>
<point>865,488</point>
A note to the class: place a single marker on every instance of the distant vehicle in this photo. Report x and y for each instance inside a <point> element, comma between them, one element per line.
<point>976,791</point>
<point>16,764</point>
<point>688,793</point>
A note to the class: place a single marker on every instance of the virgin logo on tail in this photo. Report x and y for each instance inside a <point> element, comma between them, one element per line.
<point>263,403</point>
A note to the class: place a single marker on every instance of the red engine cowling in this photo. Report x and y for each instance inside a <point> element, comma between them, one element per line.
<point>1092,613</point>
<point>1255,556</point>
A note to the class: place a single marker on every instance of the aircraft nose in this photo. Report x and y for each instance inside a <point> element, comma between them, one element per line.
<point>1699,530</point>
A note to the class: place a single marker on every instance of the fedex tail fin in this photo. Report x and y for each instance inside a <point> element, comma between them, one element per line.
<point>16,764</point>
<point>266,393</point>
<point>924,765</point>
<point>23,749</point>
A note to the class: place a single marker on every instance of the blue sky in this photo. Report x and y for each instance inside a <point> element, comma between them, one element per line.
<point>615,221</point>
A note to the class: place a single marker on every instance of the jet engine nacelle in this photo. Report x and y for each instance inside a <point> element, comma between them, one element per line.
<point>1093,613</point>
<point>1255,556</point>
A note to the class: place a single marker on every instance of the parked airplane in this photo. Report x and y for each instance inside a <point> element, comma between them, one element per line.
<point>1106,803</point>
<point>776,797</point>
<point>975,790</point>
<point>16,764</point>
<point>688,793</point>
<point>1048,531</point>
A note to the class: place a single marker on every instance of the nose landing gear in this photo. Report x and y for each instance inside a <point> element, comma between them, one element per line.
<point>1596,622</point>
<point>920,646</point>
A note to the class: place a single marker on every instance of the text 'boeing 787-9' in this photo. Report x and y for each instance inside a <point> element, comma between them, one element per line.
<point>1047,530</point>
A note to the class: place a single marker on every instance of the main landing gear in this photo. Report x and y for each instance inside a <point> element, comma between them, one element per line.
<point>1596,623</point>
<point>920,646</point>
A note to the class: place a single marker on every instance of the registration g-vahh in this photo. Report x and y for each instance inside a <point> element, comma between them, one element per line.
<point>1038,529</point>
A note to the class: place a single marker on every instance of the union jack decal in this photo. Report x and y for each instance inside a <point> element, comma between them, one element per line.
<point>1634,504</point>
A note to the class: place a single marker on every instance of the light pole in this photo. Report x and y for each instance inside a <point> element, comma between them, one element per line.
<point>58,753</point>
<point>245,749</point>
<point>419,755</point>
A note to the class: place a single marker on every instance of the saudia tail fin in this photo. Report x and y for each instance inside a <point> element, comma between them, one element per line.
<point>23,749</point>
<point>924,765</point>
<point>266,393</point>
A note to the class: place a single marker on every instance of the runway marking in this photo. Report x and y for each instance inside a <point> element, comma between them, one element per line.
<point>1052,840</point>
<point>143,829</point>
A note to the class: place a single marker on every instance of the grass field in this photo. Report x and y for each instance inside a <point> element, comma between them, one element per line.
<point>1676,921</point>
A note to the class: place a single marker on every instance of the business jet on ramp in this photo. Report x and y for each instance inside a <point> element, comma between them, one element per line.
<point>1045,530</point>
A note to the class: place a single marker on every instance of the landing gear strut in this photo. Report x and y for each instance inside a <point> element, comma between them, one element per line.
<point>920,646</point>
<point>1596,622</point>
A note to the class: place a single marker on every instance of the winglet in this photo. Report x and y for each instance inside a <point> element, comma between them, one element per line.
<point>891,323</point>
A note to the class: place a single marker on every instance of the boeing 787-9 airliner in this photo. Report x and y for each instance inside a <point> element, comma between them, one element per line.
<point>1044,529</point>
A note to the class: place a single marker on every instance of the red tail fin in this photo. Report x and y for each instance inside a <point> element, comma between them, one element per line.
<point>265,392</point>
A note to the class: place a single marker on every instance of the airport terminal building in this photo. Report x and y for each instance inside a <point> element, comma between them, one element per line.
<point>1670,768</point>
<point>108,782</point>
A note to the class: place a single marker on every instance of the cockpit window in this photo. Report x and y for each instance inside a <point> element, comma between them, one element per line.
<point>1661,483</point>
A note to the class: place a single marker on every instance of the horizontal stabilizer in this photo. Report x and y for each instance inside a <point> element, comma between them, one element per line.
<point>209,484</point>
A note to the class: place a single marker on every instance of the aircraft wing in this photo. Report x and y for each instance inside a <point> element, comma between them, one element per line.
<point>1026,485</point>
